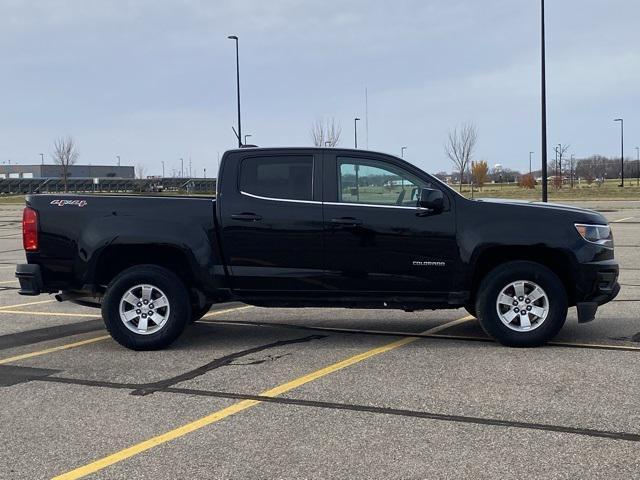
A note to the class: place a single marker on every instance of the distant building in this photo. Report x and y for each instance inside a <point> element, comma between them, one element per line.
<point>75,171</point>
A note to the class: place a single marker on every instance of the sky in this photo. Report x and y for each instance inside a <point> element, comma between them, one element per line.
<point>154,80</point>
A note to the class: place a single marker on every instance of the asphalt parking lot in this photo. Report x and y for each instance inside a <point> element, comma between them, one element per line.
<point>306,393</point>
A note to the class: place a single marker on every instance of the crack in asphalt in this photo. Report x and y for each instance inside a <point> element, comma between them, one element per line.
<point>496,422</point>
<point>149,388</point>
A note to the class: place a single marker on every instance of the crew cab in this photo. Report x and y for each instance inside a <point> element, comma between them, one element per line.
<point>318,227</point>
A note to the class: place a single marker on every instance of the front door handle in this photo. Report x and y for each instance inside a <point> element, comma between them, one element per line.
<point>246,217</point>
<point>348,221</point>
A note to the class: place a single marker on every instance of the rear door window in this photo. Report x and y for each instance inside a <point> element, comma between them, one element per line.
<point>288,177</point>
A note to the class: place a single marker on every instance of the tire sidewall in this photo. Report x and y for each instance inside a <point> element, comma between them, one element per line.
<point>173,288</point>
<point>499,278</point>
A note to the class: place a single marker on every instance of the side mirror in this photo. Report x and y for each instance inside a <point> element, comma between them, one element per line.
<point>432,199</point>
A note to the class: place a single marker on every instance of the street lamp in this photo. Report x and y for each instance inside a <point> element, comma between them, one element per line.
<point>118,157</point>
<point>42,158</point>
<point>245,138</point>
<point>181,168</point>
<point>621,149</point>
<point>239,133</point>
<point>402,152</point>
<point>543,104</point>
<point>162,168</point>
<point>355,131</point>
<point>530,153</point>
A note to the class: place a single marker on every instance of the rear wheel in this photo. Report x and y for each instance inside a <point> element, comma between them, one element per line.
<point>146,307</point>
<point>521,304</point>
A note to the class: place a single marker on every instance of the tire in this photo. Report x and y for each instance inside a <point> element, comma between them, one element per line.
<point>504,321</point>
<point>198,312</point>
<point>164,324</point>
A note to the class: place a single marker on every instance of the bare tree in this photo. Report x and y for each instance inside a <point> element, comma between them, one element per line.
<point>559,177</point>
<point>460,146</point>
<point>65,154</point>
<point>326,133</point>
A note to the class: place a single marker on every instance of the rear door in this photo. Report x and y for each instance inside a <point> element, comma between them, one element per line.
<point>377,240</point>
<point>271,214</point>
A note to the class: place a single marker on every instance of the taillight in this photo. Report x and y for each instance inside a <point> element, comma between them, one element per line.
<point>30,229</point>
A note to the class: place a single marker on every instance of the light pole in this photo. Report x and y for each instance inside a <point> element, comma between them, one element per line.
<point>181,168</point>
<point>245,138</point>
<point>637,166</point>
<point>355,131</point>
<point>118,157</point>
<point>621,149</point>
<point>530,153</point>
<point>162,168</point>
<point>402,152</point>
<point>42,158</point>
<point>234,37</point>
<point>543,104</point>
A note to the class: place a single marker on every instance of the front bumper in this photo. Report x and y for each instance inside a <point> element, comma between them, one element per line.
<point>30,279</point>
<point>597,285</point>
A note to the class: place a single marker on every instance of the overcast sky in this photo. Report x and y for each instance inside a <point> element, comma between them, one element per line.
<point>154,80</point>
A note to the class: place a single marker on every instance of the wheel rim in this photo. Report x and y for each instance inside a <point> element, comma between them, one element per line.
<point>144,309</point>
<point>522,305</point>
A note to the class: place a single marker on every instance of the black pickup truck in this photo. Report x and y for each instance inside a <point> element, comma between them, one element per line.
<point>314,227</point>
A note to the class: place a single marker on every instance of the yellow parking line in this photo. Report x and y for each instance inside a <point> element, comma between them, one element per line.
<point>594,345</point>
<point>27,304</point>
<point>51,314</point>
<point>89,315</point>
<point>238,407</point>
<point>52,349</point>
<point>227,310</point>
<point>68,345</point>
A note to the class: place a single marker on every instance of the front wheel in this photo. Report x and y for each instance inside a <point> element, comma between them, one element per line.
<point>146,307</point>
<point>521,304</point>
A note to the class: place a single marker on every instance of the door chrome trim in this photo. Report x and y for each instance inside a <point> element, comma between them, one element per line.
<point>273,199</point>
<point>337,204</point>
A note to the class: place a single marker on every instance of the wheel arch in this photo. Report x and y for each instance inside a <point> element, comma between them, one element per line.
<point>557,261</point>
<point>117,258</point>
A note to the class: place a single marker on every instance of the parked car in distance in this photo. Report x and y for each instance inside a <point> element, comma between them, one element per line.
<point>318,227</point>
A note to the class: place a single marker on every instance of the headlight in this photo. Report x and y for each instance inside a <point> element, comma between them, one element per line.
<point>600,234</point>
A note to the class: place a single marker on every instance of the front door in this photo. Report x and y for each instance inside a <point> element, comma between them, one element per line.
<point>376,237</point>
<point>271,214</point>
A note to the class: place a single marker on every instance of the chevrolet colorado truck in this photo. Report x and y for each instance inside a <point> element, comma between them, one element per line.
<point>318,227</point>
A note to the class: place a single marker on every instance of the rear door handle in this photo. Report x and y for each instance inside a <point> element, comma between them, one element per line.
<point>246,217</point>
<point>349,221</point>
